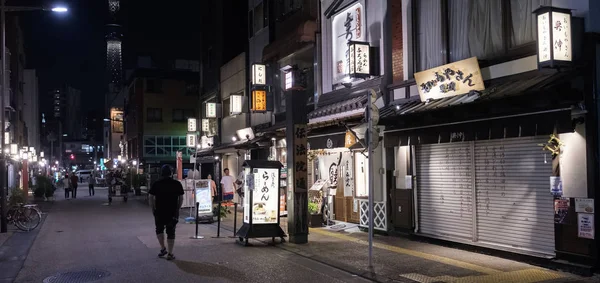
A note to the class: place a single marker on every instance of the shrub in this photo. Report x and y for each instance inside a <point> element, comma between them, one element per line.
<point>313,208</point>
<point>16,197</point>
<point>43,186</point>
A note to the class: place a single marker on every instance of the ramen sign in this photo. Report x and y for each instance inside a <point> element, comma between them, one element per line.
<point>265,206</point>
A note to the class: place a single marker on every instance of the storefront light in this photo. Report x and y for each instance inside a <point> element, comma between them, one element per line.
<point>14,149</point>
<point>554,41</point>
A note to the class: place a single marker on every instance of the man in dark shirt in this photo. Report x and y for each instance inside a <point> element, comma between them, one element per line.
<point>166,198</point>
<point>74,182</point>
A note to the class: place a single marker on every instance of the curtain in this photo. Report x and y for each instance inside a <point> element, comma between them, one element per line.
<point>485,28</point>
<point>429,34</point>
<point>523,20</point>
<point>458,17</point>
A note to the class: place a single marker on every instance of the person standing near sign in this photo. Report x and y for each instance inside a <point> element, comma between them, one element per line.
<point>228,185</point>
<point>213,187</point>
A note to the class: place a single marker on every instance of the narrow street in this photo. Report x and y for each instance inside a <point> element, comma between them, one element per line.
<point>85,237</point>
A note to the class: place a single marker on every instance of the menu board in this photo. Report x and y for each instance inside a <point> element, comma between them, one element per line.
<point>265,206</point>
<point>203,197</point>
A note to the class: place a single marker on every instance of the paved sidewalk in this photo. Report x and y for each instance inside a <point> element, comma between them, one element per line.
<point>86,236</point>
<point>398,259</point>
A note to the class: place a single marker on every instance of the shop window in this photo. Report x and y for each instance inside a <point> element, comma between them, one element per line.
<point>154,115</point>
<point>487,29</point>
<point>154,86</point>
<point>361,175</point>
<point>165,146</point>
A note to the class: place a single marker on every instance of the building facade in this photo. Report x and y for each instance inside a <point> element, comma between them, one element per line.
<point>158,103</point>
<point>31,112</point>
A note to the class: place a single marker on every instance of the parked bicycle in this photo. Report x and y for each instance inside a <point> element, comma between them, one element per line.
<point>25,217</point>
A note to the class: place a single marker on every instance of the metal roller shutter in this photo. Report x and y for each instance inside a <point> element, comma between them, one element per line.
<point>514,204</point>
<point>445,189</point>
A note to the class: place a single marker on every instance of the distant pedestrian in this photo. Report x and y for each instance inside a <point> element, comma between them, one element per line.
<point>66,183</point>
<point>74,180</point>
<point>166,198</point>
<point>91,185</point>
<point>227,185</point>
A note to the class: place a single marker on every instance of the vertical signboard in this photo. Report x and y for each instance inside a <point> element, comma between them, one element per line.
<point>265,207</point>
<point>258,74</point>
<point>289,79</point>
<point>192,125</point>
<point>300,176</point>
<point>235,104</point>
<point>191,140</point>
<point>259,100</point>
<point>203,197</point>
<point>205,125</point>
<point>348,25</point>
<point>211,110</point>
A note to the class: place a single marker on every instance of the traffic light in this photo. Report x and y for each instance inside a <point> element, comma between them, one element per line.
<point>72,156</point>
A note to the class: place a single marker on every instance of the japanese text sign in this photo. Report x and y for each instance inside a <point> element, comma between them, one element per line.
<point>449,80</point>
<point>259,100</point>
<point>211,110</point>
<point>300,170</point>
<point>265,206</point>
<point>258,74</point>
<point>348,25</point>
<point>235,104</point>
<point>192,124</point>
<point>191,140</point>
<point>358,59</point>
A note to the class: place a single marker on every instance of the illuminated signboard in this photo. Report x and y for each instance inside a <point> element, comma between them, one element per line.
<point>259,100</point>
<point>258,74</point>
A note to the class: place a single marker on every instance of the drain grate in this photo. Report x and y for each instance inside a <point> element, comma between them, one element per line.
<point>78,276</point>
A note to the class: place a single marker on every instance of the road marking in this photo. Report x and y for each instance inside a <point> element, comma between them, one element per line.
<point>441,259</point>
<point>521,276</point>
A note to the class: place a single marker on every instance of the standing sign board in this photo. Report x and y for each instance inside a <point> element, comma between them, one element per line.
<point>203,197</point>
<point>261,204</point>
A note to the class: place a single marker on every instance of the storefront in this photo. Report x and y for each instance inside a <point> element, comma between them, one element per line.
<point>473,166</point>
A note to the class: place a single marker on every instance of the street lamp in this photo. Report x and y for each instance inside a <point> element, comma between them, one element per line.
<point>59,9</point>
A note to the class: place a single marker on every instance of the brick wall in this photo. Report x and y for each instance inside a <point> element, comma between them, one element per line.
<point>397,42</point>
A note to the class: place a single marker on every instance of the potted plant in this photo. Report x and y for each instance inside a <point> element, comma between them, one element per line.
<point>16,197</point>
<point>39,193</point>
<point>43,188</point>
<point>315,218</point>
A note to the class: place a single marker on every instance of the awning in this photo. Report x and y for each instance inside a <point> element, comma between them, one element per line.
<point>258,142</point>
<point>205,152</point>
<point>534,82</point>
<point>352,107</point>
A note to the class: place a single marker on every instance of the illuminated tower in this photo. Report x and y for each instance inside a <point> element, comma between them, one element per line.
<point>114,59</point>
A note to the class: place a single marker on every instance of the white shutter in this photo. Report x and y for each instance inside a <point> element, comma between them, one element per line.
<point>444,190</point>
<point>514,203</point>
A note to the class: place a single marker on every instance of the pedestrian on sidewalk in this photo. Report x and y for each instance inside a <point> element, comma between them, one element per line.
<point>74,180</point>
<point>213,187</point>
<point>91,185</point>
<point>227,185</point>
<point>66,185</point>
<point>166,198</point>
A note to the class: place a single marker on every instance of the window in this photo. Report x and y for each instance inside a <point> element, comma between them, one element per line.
<point>250,24</point>
<point>165,146</point>
<point>154,115</point>
<point>285,8</point>
<point>181,115</point>
<point>258,17</point>
<point>481,28</point>
<point>225,109</point>
<point>154,85</point>
<point>266,13</point>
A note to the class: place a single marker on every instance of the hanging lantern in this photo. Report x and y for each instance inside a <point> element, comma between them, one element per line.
<point>554,42</point>
<point>359,59</point>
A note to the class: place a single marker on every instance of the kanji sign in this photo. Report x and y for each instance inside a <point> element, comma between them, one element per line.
<point>358,59</point>
<point>191,140</point>
<point>258,74</point>
<point>259,100</point>
<point>448,80</point>
<point>192,124</point>
<point>235,104</point>
<point>211,110</point>
<point>554,40</point>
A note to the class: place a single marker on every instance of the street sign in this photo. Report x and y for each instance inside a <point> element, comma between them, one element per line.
<point>192,125</point>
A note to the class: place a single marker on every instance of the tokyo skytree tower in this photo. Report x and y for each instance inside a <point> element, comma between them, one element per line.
<point>114,56</point>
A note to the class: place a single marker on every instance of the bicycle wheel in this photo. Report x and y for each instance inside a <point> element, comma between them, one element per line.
<point>28,219</point>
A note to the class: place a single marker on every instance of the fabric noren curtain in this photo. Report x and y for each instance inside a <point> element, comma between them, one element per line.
<point>523,20</point>
<point>475,28</point>
<point>429,30</point>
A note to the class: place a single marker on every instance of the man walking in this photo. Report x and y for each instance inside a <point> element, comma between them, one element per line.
<point>66,184</point>
<point>166,198</point>
<point>91,185</point>
<point>74,180</point>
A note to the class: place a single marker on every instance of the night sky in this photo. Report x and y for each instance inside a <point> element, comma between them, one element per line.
<point>70,48</point>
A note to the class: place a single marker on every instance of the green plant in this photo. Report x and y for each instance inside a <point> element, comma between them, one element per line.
<point>16,197</point>
<point>313,208</point>
<point>43,186</point>
<point>224,211</point>
<point>39,192</point>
